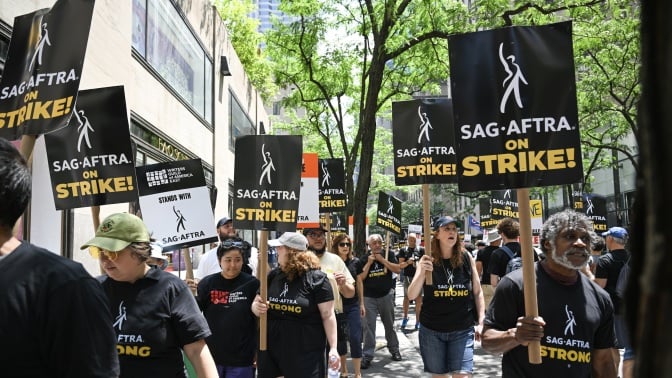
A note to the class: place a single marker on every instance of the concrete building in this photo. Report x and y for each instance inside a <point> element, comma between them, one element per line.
<point>186,92</point>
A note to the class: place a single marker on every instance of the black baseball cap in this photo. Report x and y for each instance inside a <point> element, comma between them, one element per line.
<point>223,221</point>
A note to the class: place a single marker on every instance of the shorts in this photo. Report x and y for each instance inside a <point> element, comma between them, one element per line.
<point>235,371</point>
<point>407,283</point>
<point>447,352</point>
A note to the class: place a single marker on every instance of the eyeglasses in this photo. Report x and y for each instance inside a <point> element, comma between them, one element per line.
<point>99,252</point>
<point>316,235</point>
<point>230,244</point>
<point>343,244</point>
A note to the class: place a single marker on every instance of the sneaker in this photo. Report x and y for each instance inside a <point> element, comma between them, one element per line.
<point>396,356</point>
<point>366,363</point>
<point>404,322</point>
<point>417,326</point>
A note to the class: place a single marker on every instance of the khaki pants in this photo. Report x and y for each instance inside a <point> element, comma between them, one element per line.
<point>488,292</point>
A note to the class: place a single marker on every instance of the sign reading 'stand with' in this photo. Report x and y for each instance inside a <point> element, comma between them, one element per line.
<point>514,105</point>
<point>175,203</point>
<point>267,182</point>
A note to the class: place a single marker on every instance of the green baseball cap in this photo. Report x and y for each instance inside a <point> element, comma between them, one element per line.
<point>118,231</point>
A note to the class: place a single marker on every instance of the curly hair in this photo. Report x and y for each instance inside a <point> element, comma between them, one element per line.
<point>456,258</point>
<point>509,227</point>
<point>558,222</point>
<point>299,262</point>
<point>339,239</point>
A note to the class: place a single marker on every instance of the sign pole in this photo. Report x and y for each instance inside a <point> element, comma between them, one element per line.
<point>425,228</point>
<point>529,278</point>
<point>262,273</point>
<point>327,236</point>
<point>387,249</point>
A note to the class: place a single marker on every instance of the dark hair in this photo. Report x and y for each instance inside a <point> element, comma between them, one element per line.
<point>338,239</point>
<point>481,243</point>
<point>597,242</point>
<point>15,184</point>
<point>457,256</point>
<point>229,244</point>
<point>509,227</point>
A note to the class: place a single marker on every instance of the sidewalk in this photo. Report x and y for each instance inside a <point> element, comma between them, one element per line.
<point>485,365</point>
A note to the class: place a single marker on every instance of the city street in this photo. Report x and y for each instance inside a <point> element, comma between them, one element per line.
<point>485,365</point>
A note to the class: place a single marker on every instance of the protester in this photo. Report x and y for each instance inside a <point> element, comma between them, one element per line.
<point>56,320</point>
<point>300,312</point>
<point>225,299</point>
<point>453,303</point>
<point>376,275</point>
<point>156,315</point>
<point>575,325</point>
<point>483,265</point>
<point>408,257</point>
<point>209,264</point>
<point>606,275</point>
<point>353,310</point>
<point>597,247</point>
<point>340,279</point>
<point>509,230</point>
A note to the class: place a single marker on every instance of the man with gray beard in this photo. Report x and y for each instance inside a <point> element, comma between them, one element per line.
<point>575,325</point>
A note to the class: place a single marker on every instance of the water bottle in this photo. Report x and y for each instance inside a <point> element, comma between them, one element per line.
<point>333,373</point>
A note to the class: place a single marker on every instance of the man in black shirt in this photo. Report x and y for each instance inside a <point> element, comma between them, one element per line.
<point>509,230</point>
<point>408,257</point>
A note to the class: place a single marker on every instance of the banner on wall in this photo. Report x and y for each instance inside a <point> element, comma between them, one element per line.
<point>514,105</point>
<point>91,160</point>
<point>38,88</point>
<point>267,182</point>
<point>423,139</point>
<point>175,203</point>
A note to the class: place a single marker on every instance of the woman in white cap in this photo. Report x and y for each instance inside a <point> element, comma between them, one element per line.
<point>300,312</point>
<point>155,314</point>
<point>452,304</point>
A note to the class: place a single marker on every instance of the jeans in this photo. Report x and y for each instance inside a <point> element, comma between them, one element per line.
<point>354,335</point>
<point>447,352</point>
<point>385,307</point>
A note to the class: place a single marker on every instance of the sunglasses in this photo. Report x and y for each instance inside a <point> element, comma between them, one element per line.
<point>343,244</point>
<point>99,252</point>
<point>229,244</point>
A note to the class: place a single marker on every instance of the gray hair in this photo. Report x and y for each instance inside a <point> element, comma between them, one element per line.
<point>374,236</point>
<point>558,222</point>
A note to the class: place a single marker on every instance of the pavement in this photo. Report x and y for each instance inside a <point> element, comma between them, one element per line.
<point>485,364</point>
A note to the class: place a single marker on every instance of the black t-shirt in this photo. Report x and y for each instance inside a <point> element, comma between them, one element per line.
<point>55,318</point>
<point>409,254</point>
<point>609,266</point>
<point>500,258</point>
<point>154,317</point>
<point>296,337</point>
<point>226,306</point>
<point>377,283</point>
<point>448,304</point>
<point>484,257</point>
<point>352,265</point>
<point>579,319</point>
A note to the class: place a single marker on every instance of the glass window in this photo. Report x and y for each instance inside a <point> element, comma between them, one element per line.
<point>241,124</point>
<point>163,38</point>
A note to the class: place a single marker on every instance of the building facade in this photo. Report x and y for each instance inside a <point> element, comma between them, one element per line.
<point>187,95</point>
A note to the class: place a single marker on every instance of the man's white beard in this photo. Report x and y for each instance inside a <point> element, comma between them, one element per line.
<point>564,261</point>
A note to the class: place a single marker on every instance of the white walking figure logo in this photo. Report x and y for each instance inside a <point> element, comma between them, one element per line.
<point>121,317</point>
<point>338,222</point>
<point>425,125</point>
<point>571,322</point>
<point>590,208</point>
<point>325,175</point>
<point>267,167</point>
<point>513,79</point>
<point>285,290</point>
<point>180,219</point>
<point>41,41</point>
<point>507,194</point>
<point>390,206</point>
<point>83,128</point>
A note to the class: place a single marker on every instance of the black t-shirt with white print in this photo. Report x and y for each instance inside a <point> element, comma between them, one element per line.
<point>378,282</point>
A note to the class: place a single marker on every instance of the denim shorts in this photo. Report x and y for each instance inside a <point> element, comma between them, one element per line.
<point>447,352</point>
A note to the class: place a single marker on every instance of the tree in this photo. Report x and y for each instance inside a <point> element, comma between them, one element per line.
<point>246,40</point>
<point>372,52</point>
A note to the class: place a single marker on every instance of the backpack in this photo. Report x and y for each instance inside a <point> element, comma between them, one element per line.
<point>515,262</point>
<point>622,280</point>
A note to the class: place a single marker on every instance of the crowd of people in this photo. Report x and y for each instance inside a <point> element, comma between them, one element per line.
<point>322,302</point>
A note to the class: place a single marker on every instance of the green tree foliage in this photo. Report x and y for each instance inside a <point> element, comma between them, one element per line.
<point>246,40</point>
<point>344,61</point>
